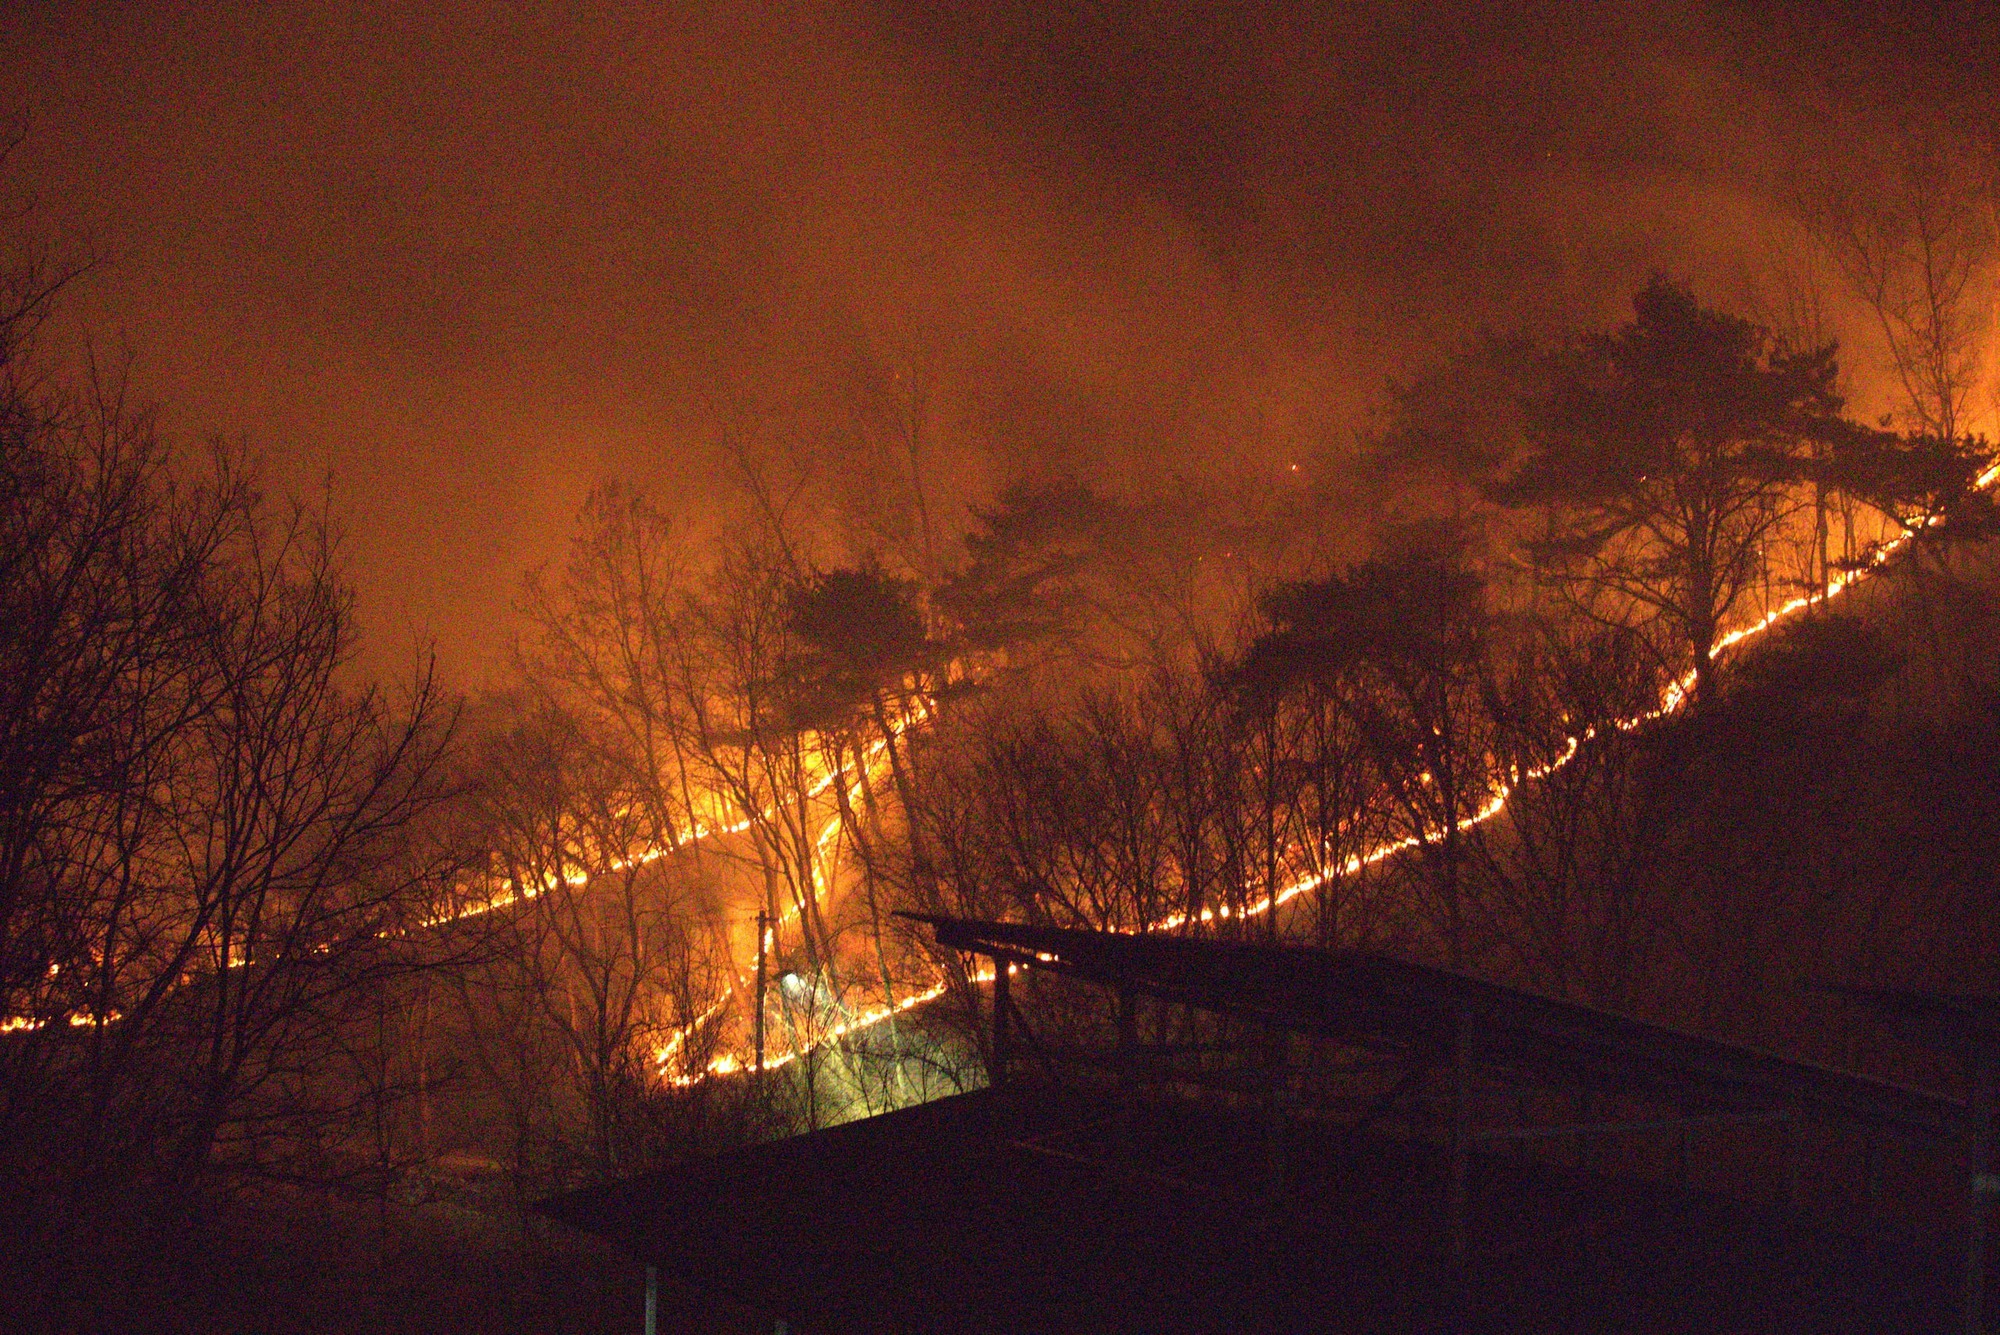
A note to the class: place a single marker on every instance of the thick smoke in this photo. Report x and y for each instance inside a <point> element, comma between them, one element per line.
<point>464,266</point>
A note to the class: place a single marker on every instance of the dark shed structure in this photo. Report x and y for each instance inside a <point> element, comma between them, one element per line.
<point>1136,1203</point>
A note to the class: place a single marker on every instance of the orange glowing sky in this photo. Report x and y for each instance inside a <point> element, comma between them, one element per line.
<point>463,266</point>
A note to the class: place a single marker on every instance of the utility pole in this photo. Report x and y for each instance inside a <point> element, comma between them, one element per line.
<point>763,937</point>
<point>997,1076</point>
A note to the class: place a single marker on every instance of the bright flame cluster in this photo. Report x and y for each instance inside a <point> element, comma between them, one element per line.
<point>730,1064</point>
<point>508,893</point>
<point>1674,698</point>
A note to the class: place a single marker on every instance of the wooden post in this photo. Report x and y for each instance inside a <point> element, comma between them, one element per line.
<point>1871,1170</point>
<point>763,934</point>
<point>1128,1039</point>
<point>1789,1161</point>
<point>1461,1136</point>
<point>1002,992</point>
<point>1128,1072</point>
<point>652,1300</point>
<point>1277,1106</point>
<point>1458,1226</point>
<point>1274,1130</point>
<point>1980,1186</point>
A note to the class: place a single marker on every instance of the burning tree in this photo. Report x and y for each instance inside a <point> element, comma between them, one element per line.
<point>1911,231</point>
<point>1663,460</point>
<point>1403,642</point>
<point>866,669</point>
<point>604,958</point>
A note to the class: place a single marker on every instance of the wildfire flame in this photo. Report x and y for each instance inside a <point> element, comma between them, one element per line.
<point>1673,699</point>
<point>509,892</point>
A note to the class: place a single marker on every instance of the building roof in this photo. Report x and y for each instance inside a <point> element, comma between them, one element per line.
<point>1031,1208</point>
<point>1386,1004</point>
<point>1961,1022</point>
<point>1052,1208</point>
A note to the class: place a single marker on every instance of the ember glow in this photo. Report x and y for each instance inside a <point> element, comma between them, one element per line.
<point>1674,699</point>
<point>597,523</point>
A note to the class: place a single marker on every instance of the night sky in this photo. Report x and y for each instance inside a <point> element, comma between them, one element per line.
<point>465,266</point>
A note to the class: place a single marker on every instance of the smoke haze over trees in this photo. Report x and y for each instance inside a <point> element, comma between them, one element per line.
<point>1298,476</point>
<point>490,260</point>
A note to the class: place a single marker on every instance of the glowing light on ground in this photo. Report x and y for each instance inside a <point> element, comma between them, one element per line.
<point>731,1064</point>
<point>1676,696</point>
